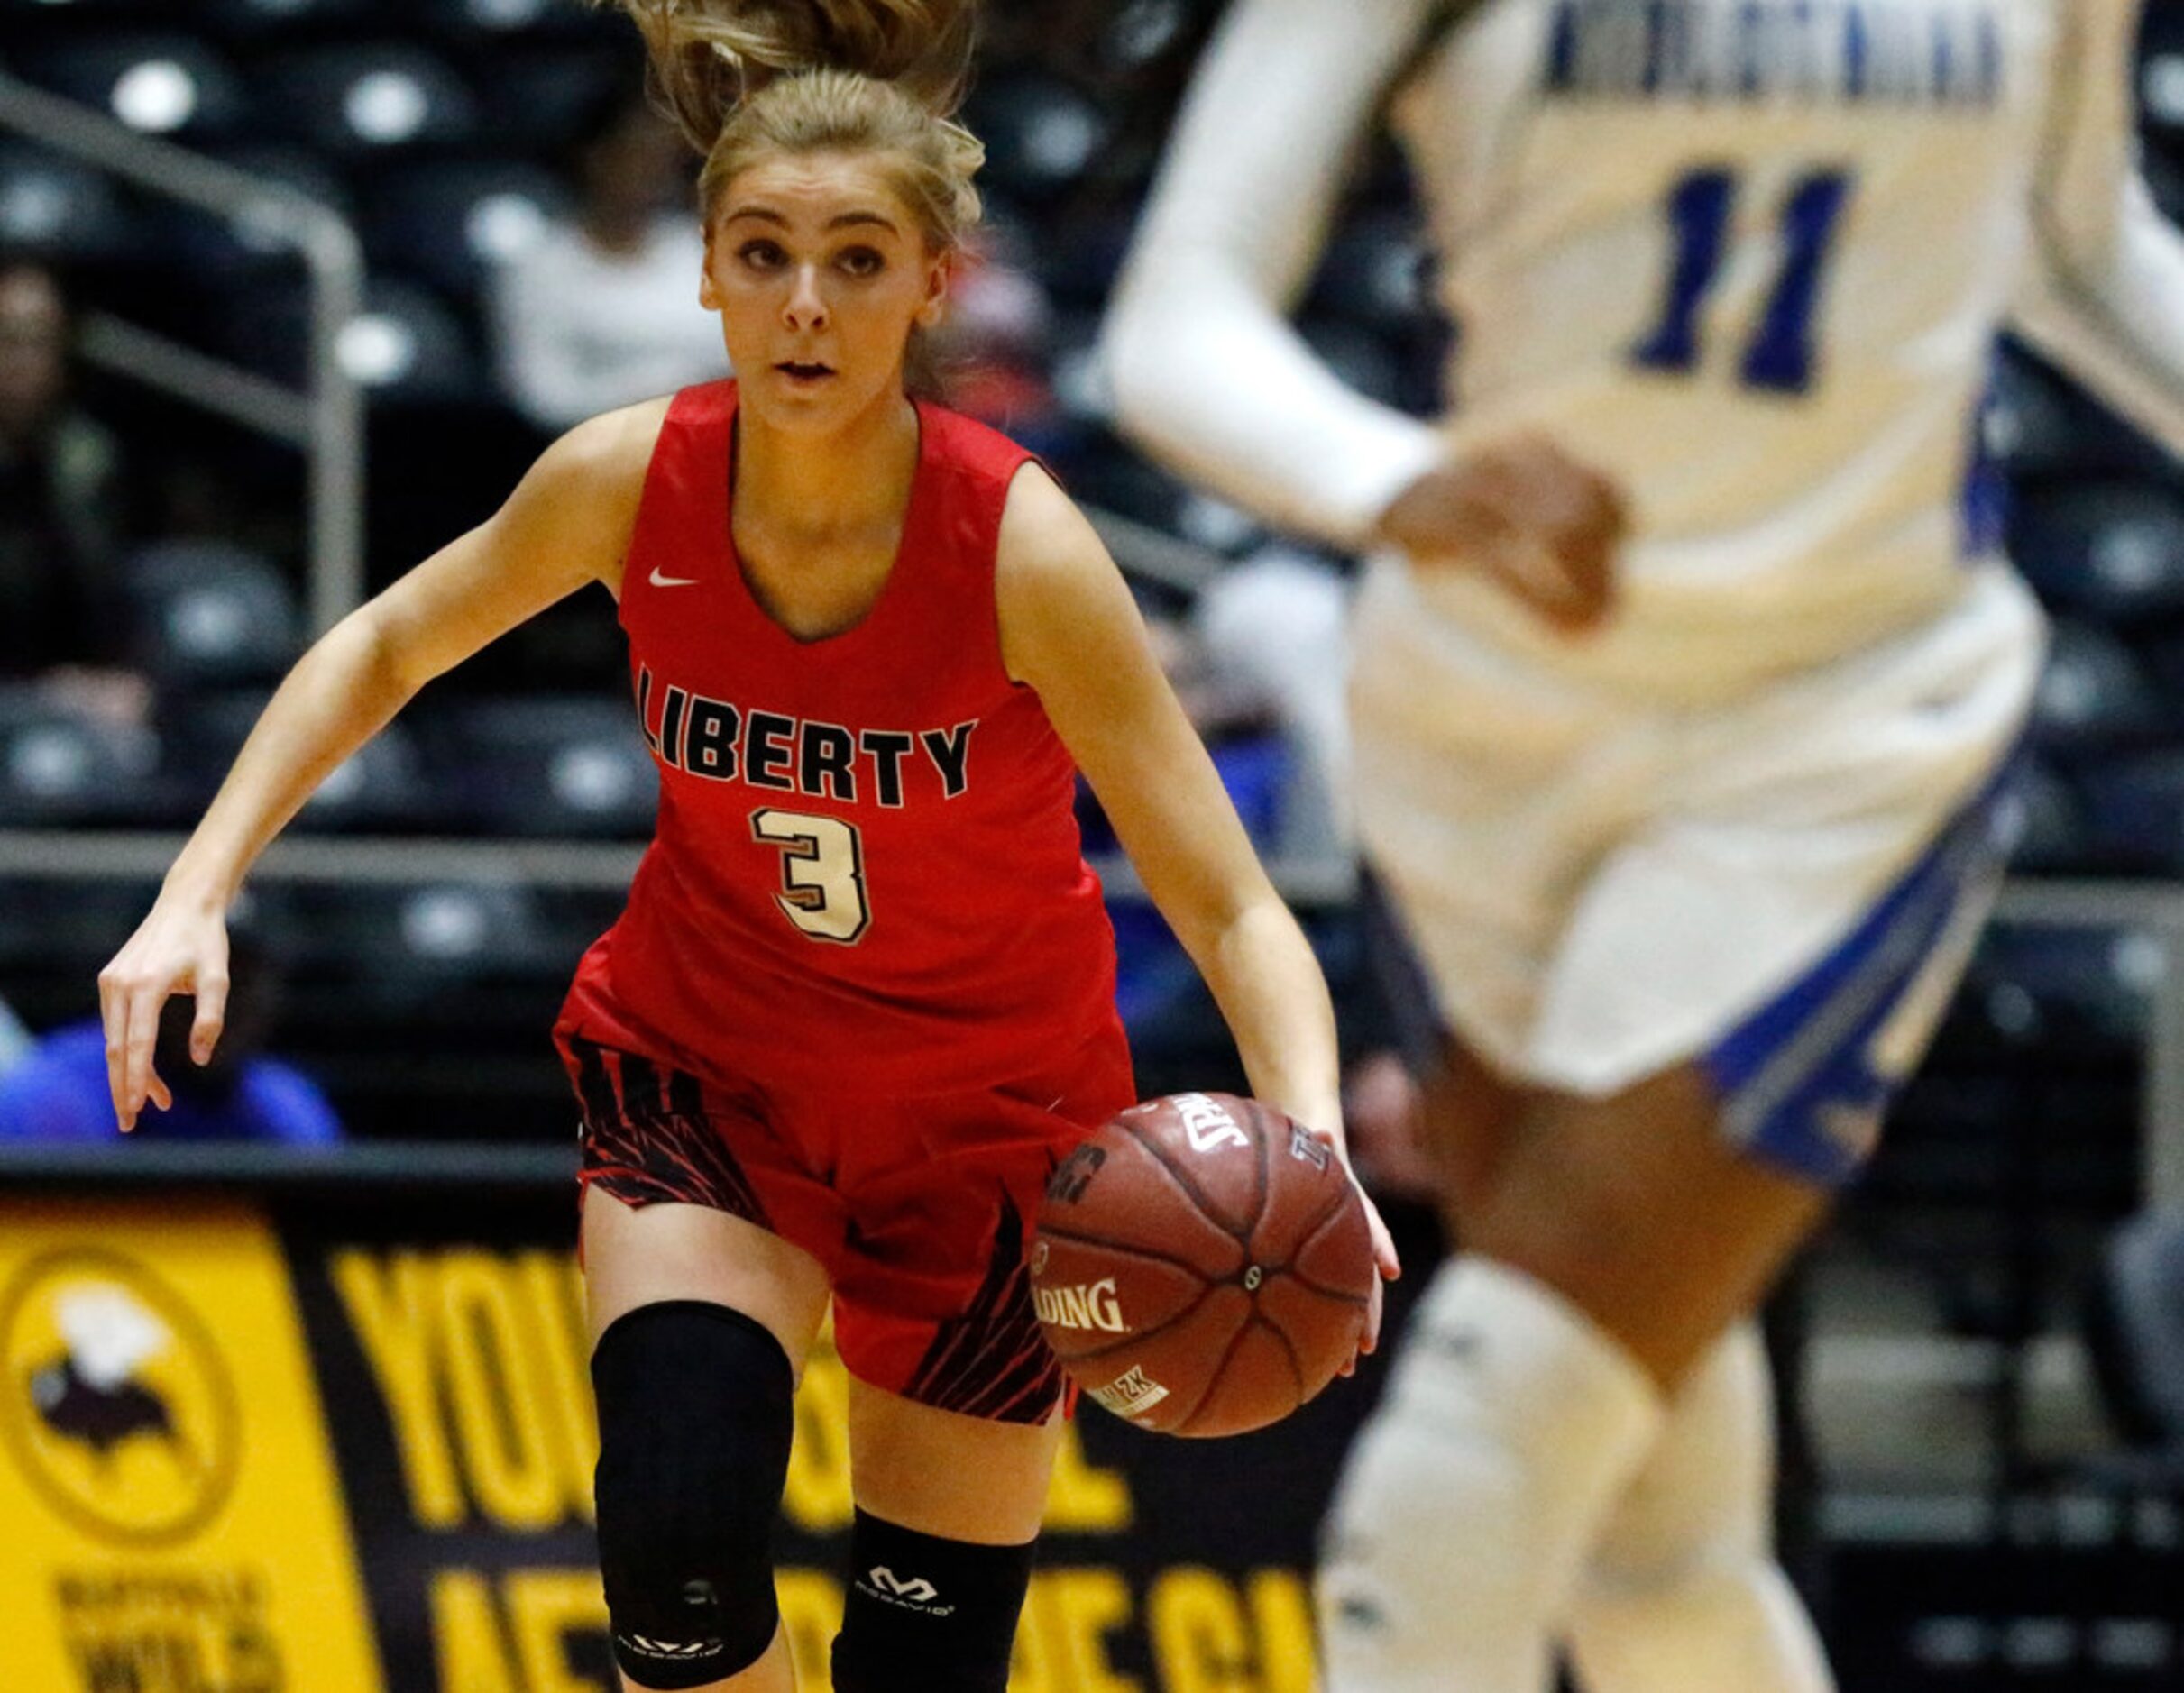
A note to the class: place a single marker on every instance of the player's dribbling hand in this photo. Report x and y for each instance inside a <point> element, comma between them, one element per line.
<point>175,950</point>
<point>1541,523</point>
<point>1384,1257</point>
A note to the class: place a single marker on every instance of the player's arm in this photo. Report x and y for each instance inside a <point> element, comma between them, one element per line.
<point>567,523</point>
<point>1206,370</point>
<point>2105,296</point>
<point>1070,631</point>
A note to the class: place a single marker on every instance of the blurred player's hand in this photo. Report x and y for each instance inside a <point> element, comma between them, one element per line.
<point>1536,520</point>
<point>176,949</point>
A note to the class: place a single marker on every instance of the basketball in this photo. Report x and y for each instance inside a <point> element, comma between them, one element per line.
<point>1203,1265</point>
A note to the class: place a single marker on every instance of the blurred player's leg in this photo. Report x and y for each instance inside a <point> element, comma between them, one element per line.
<point>1510,1426</point>
<point>1528,1395</point>
<point>1682,1591</point>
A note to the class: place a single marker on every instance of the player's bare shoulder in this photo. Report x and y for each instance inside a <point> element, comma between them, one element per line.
<point>589,482</point>
<point>1050,567</point>
<point>1046,542</point>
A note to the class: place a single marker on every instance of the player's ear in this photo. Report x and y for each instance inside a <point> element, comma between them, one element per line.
<point>934,305</point>
<point>709,297</point>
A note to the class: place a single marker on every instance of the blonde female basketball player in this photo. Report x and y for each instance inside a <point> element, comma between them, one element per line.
<point>860,1001</point>
<point>1685,676</point>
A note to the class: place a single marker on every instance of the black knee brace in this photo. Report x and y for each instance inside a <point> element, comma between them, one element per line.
<point>695,1422</point>
<point>928,1616</point>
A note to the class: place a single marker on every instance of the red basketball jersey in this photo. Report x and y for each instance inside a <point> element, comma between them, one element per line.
<point>866,872</point>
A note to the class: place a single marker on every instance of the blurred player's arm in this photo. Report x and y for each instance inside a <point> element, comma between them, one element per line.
<point>2105,296</point>
<point>1206,370</point>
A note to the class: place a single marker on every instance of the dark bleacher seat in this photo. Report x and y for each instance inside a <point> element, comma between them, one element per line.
<point>1360,358</point>
<point>210,614</point>
<point>163,83</point>
<point>56,935</point>
<point>492,24</point>
<point>360,101</point>
<point>2111,550</point>
<point>2054,839</point>
<point>50,206</point>
<point>448,221</point>
<point>221,252</point>
<point>77,15</point>
<point>402,949</point>
<point>257,22</point>
<point>382,788</point>
<point>408,345</point>
<point>2135,812</point>
<point>2135,1334</point>
<point>572,765</point>
<point>2038,424</point>
<point>1110,477</point>
<point>2070,987</point>
<point>2162,72</point>
<point>539,95</point>
<point>60,769</point>
<point>2094,694</point>
<point>1040,134</point>
<point>1374,274</point>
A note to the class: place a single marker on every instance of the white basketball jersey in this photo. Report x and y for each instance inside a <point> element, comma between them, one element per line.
<point>1747,257</point>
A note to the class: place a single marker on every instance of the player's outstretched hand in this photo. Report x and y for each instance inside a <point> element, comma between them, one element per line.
<point>1541,523</point>
<point>175,950</point>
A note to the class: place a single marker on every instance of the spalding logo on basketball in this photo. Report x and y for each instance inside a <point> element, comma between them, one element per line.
<point>1203,1265</point>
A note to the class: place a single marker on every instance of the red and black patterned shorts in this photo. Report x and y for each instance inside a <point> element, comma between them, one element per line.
<point>919,1208</point>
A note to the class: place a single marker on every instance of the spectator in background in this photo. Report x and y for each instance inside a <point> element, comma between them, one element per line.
<point>1274,628</point>
<point>603,310</point>
<point>59,1092</point>
<point>994,347</point>
<point>62,487</point>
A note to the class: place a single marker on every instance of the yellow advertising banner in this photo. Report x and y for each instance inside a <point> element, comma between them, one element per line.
<point>348,1454</point>
<point>174,1523</point>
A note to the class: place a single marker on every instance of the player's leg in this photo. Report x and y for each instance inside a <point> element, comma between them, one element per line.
<point>948,1509</point>
<point>1468,1113</point>
<point>1682,1589</point>
<point>955,1397</point>
<point>701,1314</point>
<point>1651,1196</point>
<point>700,1322</point>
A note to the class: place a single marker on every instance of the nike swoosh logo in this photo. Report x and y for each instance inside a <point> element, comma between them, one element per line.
<point>658,581</point>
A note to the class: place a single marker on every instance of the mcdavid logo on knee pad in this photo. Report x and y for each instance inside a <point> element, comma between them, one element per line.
<point>669,1651</point>
<point>912,1593</point>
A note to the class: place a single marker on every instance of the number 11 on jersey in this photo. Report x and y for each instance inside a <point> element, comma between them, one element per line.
<point>1701,210</point>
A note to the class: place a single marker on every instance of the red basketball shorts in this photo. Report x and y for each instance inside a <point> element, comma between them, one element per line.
<point>921,1209</point>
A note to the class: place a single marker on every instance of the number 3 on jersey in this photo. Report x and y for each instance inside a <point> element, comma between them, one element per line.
<point>823,873</point>
<point>1701,209</point>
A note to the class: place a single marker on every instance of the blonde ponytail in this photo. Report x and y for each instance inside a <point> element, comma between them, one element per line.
<point>709,57</point>
<point>746,80</point>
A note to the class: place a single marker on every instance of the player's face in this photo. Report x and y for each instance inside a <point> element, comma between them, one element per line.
<point>819,270</point>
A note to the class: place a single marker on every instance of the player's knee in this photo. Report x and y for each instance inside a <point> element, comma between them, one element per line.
<point>695,1416</point>
<point>925,1614</point>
